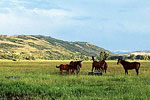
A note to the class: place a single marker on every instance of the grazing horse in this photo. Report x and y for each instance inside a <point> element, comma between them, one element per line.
<point>99,65</point>
<point>76,66</point>
<point>65,67</point>
<point>129,65</point>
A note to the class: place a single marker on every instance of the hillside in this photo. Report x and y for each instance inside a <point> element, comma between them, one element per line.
<point>44,47</point>
<point>132,53</point>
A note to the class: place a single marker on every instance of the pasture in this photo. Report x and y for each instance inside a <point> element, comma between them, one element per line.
<point>41,80</point>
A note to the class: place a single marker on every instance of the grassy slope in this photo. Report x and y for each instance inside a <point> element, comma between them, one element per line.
<point>44,46</point>
<point>84,48</point>
<point>29,43</point>
<point>40,79</point>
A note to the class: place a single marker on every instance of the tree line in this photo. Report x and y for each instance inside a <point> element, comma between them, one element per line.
<point>105,55</point>
<point>47,56</point>
<point>132,57</point>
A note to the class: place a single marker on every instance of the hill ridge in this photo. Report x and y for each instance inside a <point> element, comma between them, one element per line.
<point>45,47</point>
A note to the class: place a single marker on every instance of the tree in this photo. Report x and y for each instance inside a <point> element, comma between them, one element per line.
<point>104,55</point>
<point>132,56</point>
<point>138,57</point>
<point>101,55</point>
<point>145,57</point>
<point>142,57</point>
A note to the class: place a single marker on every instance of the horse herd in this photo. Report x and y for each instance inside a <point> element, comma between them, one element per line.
<point>72,66</point>
<point>98,65</point>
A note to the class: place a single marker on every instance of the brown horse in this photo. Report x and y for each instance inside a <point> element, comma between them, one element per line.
<point>129,65</point>
<point>76,66</point>
<point>65,67</point>
<point>99,65</point>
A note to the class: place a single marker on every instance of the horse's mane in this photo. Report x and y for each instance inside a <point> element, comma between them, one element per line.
<point>124,61</point>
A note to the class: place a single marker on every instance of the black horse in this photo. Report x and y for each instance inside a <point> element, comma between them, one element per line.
<point>129,65</point>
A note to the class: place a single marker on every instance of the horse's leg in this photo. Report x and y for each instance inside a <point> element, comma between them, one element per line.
<point>126,72</point>
<point>67,72</point>
<point>92,68</point>
<point>105,70</point>
<point>102,69</point>
<point>73,71</point>
<point>98,69</point>
<point>60,72</point>
<point>105,67</point>
<point>137,71</point>
<point>78,69</point>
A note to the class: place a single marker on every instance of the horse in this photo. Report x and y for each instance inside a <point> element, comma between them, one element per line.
<point>76,66</point>
<point>65,67</point>
<point>99,65</point>
<point>129,65</point>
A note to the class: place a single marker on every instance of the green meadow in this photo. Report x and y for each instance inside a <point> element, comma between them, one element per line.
<point>36,80</point>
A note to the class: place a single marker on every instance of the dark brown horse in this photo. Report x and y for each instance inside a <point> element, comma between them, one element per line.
<point>76,66</point>
<point>99,65</point>
<point>129,65</point>
<point>65,67</point>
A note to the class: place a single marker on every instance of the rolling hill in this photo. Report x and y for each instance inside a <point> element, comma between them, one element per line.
<point>45,47</point>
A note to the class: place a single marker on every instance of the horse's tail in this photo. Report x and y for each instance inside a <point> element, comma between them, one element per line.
<point>93,58</point>
<point>139,65</point>
<point>57,66</point>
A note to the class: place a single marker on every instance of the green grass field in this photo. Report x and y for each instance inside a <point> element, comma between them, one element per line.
<point>41,80</point>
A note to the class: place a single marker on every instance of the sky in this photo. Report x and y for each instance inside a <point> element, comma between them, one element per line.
<point>116,25</point>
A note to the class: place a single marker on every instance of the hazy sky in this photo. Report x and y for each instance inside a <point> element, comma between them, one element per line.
<point>111,24</point>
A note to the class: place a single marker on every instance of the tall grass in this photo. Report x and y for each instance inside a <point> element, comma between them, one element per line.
<point>41,80</point>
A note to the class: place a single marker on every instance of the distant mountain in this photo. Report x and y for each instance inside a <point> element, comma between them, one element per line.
<point>45,47</point>
<point>134,52</point>
<point>141,53</point>
<point>121,52</point>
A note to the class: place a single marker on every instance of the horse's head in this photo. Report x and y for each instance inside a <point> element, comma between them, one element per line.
<point>119,61</point>
<point>80,63</point>
<point>71,63</point>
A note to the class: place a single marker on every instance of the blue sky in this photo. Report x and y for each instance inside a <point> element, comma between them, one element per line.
<point>111,24</point>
